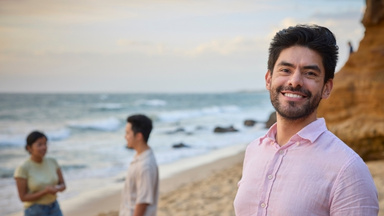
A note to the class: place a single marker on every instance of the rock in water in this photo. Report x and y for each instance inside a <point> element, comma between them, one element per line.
<point>180,145</point>
<point>224,129</point>
<point>249,122</point>
<point>271,120</point>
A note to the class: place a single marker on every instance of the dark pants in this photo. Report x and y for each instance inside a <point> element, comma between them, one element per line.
<point>52,209</point>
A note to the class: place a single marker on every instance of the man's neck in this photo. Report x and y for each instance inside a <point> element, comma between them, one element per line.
<point>142,148</point>
<point>286,128</point>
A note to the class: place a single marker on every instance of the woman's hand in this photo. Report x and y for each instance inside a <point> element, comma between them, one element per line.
<point>51,189</point>
<point>60,187</point>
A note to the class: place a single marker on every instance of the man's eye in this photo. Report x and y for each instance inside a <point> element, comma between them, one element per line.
<point>285,70</point>
<point>310,73</point>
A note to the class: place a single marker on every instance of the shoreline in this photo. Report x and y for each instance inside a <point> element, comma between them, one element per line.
<point>172,176</point>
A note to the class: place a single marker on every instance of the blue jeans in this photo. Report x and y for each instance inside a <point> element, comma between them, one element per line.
<point>52,209</point>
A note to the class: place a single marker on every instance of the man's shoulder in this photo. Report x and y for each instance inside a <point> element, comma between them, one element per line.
<point>334,141</point>
<point>332,144</point>
<point>148,162</point>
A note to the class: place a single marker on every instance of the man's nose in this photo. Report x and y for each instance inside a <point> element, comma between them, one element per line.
<point>296,78</point>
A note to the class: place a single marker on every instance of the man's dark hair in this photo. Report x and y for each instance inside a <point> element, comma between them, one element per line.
<point>32,137</point>
<point>141,124</point>
<point>314,37</point>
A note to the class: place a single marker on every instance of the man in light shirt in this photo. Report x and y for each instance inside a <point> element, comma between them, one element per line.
<point>141,189</point>
<point>299,167</point>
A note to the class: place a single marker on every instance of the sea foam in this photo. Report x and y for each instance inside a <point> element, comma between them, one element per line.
<point>109,124</point>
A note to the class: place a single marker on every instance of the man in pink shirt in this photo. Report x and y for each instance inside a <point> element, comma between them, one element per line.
<point>299,167</point>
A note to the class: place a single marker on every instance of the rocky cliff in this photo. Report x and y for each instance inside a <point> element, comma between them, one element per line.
<point>355,109</point>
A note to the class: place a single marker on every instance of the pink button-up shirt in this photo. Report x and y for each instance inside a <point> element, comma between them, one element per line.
<point>315,173</point>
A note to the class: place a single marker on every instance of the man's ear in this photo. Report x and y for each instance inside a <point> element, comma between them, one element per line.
<point>327,89</point>
<point>268,77</point>
<point>139,136</point>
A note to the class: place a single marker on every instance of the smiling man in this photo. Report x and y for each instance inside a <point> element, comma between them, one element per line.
<point>299,167</point>
<point>141,189</point>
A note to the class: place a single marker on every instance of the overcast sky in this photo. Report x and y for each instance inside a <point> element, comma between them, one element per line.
<point>154,45</point>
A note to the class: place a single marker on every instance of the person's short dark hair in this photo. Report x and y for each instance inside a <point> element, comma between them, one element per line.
<point>314,37</point>
<point>32,137</point>
<point>141,124</point>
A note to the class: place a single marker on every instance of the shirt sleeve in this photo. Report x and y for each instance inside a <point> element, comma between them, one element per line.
<point>54,162</point>
<point>146,185</point>
<point>355,193</point>
<point>21,172</point>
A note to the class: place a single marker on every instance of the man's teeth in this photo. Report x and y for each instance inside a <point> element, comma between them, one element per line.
<point>293,95</point>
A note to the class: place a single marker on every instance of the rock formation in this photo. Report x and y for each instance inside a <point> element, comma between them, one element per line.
<point>355,109</point>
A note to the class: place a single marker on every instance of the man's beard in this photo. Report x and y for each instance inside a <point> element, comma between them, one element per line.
<point>293,111</point>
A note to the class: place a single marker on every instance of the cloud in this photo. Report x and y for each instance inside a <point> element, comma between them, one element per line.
<point>180,41</point>
<point>62,12</point>
<point>228,46</point>
<point>339,15</point>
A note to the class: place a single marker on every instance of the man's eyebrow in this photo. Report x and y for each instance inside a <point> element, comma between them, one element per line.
<point>310,67</point>
<point>284,63</point>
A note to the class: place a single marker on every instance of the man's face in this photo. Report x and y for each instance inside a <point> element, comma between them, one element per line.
<point>297,83</point>
<point>130,136</point>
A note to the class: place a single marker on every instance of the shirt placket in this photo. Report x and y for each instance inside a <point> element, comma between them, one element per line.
<point>270,177</point>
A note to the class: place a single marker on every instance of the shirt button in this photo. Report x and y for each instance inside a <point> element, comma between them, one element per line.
<point>270,177</point>
<point>281,152</point>
<point>263,205</point>
<point>297,143</point>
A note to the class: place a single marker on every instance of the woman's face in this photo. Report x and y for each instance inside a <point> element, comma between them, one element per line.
<point>38,149</point>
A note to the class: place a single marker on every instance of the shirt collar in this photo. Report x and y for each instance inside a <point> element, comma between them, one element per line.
<point>313,130</point>
<point>310,132</point>
<point>271,134</point>
<point>142,155</point>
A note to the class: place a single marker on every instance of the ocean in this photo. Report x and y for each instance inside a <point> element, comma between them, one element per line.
<point>86,132</point>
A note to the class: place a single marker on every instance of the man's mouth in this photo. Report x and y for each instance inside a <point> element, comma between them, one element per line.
<point>292,95</point>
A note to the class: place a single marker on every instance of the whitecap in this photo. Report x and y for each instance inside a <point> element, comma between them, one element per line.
<point>12,140</point>
<point>107,106</point>
<point>58,134</point>
<point>110,124</point>
<point>152,102</point>
<point>174,116</point>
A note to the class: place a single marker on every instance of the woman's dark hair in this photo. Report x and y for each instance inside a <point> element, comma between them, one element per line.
<point>141,124</point>
<point>317,38</point>
<point>32,137</point>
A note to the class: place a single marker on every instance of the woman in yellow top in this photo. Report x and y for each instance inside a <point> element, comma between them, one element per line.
<point>38,179</point>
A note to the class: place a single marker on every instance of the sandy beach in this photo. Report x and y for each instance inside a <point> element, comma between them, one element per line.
<point>204,185</point>
<point>208,189</point>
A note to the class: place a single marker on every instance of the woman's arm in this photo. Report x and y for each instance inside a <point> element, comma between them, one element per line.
<point>61,185</point>
<point>22,188</point>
